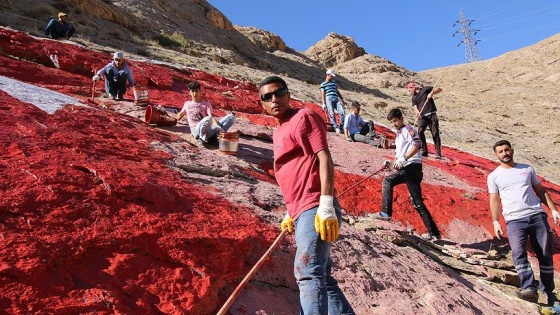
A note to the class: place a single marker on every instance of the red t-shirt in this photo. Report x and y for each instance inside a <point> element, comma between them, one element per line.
<point>296,165</point>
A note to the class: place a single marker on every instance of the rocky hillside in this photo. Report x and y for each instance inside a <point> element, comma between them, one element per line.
<point>103,213</point>
<point>513,96</point>
<point>119,216</point>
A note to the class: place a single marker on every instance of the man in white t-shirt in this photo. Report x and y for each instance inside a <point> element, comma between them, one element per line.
<point>204,125</point>
<point>521,195</point>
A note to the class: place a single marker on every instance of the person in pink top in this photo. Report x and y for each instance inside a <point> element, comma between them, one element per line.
<point>204,125</point>
<point>304,170</point>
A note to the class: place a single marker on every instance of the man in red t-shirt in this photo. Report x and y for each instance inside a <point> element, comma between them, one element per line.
<point>304,171</point>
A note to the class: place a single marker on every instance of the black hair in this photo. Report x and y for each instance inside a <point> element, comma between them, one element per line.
<point>193,86</point>
<point>394,113</point>
<point>501,143</point>
<point>355,104</point>
<point>272,79</point>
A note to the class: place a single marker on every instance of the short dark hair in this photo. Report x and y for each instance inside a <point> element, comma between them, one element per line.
<point>501,143</point>
<point>394,113</point>
<point>272,79</point>
<point>356,104</point>
<point>193,86</point>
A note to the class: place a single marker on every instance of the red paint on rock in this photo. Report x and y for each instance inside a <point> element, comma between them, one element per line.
<point>94,220</point>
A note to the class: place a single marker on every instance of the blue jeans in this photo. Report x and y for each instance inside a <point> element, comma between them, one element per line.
<point>334,103</point>
<point>319,291</point>
<point>537,229</point>
<point>206,130</point>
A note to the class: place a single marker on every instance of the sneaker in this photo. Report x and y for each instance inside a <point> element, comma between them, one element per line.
<point>551,298</point>
<point>527,295</point>
<point>120,97</point>
<point>337,130</point>
<point>112,96</point>
<point>430,237</point>
<point>381,216</point>
<point>200,142</point>
<point>342,131</point>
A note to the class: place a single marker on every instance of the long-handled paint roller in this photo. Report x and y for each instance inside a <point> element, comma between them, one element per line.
<point>256,267</point>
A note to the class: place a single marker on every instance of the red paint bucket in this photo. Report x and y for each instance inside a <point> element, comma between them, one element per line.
<point>158,116</point>
<point>228,142</point>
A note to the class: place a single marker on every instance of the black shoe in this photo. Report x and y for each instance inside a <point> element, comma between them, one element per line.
<point>120,97</point>
<point>424,153</point>
<point>551,298</point>
<point>527,295</point>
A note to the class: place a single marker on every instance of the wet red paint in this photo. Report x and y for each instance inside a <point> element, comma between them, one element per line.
<point>92,219</point>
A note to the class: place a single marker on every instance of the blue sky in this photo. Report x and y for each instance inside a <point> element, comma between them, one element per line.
<point>413,34</point>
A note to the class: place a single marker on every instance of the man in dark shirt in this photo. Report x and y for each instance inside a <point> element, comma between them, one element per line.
<point>425,109</point>
<point>59,28</point>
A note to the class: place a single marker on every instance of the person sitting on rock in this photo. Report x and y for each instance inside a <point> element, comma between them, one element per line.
<point>59,28</point>
<point>204,125</point>
<point>116,73</point>
<point>356,129</point>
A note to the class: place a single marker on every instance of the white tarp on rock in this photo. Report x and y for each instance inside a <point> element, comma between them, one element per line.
<point>47,100</point>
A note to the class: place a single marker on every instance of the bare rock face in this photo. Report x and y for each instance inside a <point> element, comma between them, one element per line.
<point>375,71</point>
<point>334,50</point>
<point>263,39</point>
<point>217,19</point>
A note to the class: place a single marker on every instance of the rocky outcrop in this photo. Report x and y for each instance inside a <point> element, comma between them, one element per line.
<point>334,50</point>
<point>263,39</point>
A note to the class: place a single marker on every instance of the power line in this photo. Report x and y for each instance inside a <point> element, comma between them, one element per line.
<point>521,31</point>
<point>471,51</point>
<point>501,23</point>
<point>502,9</point>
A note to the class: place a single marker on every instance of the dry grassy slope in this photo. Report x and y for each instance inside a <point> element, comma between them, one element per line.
<point>514,96</point>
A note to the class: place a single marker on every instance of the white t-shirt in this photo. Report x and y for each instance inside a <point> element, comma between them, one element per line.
<point>515,187</point>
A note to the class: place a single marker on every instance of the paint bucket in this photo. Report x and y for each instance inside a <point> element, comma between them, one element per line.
<point>140,95</point>
<point>228,142</point>
<point>158,116</point>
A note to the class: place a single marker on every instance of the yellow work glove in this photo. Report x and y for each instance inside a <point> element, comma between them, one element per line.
<point>326,222</point>
<point>288,224</point>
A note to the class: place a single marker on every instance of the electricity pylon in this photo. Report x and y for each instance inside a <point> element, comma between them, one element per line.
<point>471,52</point>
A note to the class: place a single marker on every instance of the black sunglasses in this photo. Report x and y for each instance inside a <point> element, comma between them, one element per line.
<point>267,97</point>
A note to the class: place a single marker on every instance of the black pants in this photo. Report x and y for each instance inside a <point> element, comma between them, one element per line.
<point>115,83</point>
<point>411,175</point>
<point>432,122</point>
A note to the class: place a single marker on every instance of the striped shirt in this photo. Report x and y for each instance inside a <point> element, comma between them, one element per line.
<point>330,88</point>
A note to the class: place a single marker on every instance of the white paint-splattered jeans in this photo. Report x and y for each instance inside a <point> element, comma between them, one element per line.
<point>319,291</point>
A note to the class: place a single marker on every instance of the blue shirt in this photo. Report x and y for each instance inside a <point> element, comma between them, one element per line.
<point>354,123</point>
<point>125,69</point>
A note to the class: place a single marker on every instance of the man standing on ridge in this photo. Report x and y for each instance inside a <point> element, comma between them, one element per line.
<point>408,166</point>
<point>521,195</point>
<point>304,170</point>
<point>333,100</point>
<point>425,108</point>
